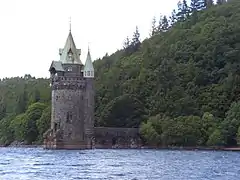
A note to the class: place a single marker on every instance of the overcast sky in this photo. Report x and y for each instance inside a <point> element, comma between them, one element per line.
<point>32,31</point>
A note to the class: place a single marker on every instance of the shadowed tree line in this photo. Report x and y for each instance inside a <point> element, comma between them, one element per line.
<point>181,85</point>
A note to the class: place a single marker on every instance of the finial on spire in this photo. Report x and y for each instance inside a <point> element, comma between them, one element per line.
<point>70,24</point>
<point>88,47</point>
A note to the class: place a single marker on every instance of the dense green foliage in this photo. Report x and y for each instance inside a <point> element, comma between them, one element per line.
<point>186,76</point>
<point>24,109</point>
<point>181,85</point>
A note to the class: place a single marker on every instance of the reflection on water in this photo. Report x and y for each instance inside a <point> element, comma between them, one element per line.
<point>37,163</point>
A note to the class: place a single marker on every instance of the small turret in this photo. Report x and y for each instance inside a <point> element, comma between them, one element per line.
<point>88,71</point>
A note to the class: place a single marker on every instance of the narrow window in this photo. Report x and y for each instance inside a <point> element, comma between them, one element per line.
<point>103,142</point>
<point>55,126</point>
<point>88,73</point>
<point>114,141</point>
<point>69,117</point>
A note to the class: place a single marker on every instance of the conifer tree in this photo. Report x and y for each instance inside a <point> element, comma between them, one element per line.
<point>183,10</point>
<point>201,4</point>
<point>173,17</point>
<point>195,5</point>
<point>135,44</point>
<point>126,43</point>
<point>126,46</point>
<point>153,28</point>
<point>163,25</point>
<point>159,27</point>
<point>180,16</point>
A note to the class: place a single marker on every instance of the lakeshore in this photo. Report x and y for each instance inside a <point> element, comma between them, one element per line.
<point>143,147</point>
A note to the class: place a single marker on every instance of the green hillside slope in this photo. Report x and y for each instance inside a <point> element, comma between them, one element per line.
<point>181,85</point>
<point>188,73</point>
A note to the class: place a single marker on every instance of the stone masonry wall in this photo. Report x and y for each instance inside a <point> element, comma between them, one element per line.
<point>68,114</point>
<point>89,111</point>
<point>109,137</point>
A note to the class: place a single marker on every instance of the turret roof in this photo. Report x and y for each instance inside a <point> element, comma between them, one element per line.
<point>70,46</point>
<point>88,64</point>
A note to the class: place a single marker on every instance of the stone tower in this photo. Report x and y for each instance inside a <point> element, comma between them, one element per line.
<point>72,116</point>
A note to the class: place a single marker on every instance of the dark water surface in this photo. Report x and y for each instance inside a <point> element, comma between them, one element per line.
<point>36,163</point>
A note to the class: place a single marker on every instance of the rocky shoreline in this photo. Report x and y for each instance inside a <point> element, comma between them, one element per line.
<point>25,145</point>
<point>196,148</point>
<point>22,145</point>
<point>143,147</point>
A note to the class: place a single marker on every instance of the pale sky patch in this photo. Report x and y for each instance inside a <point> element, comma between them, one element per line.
<point>32,31</point>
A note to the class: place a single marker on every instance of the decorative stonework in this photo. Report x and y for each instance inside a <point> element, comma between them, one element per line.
<point>68,86</point>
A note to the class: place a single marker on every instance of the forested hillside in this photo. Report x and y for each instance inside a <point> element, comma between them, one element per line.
<point>181,85</point>
<point>24,109</point>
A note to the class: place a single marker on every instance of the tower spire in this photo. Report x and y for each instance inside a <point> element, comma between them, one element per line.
<point>70,24</point>
<point>70,53</point>
<point>88,68</point>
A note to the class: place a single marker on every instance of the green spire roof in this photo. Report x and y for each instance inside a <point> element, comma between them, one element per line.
<point>70,54</point>
<point>88,64</point>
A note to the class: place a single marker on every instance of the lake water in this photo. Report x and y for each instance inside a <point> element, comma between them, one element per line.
<point>40,164</point>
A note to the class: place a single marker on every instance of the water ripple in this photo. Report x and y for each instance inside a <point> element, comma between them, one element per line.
<point>39,164</point>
